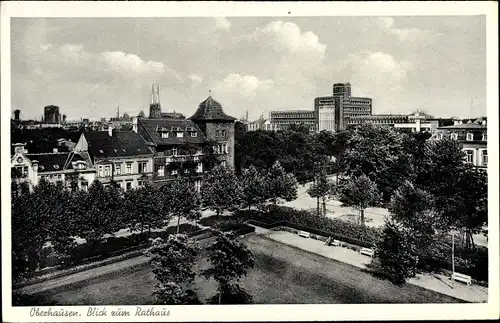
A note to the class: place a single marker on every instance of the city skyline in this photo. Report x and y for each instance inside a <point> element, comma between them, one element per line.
<point>89,66</point>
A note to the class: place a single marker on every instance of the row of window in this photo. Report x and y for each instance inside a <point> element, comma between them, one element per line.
<point>179,134</point>
<point>221,149</point>
<point>469,136</point>
<point>161,170</point>
<point>220,133</point>
<point>469,157</point>
<point>105,170</point>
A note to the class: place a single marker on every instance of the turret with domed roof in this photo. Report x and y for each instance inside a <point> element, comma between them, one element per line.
<point>218,127</point>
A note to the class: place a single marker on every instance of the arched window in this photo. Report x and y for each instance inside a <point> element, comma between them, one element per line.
<point>470,136</point>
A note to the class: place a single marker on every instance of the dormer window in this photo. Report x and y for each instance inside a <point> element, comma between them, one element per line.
<point>164,135</point>
<point>454,136</point>
<point>194,134</point>
<point>470,137</point>
<point>56,166</point>
<point>180,134</point>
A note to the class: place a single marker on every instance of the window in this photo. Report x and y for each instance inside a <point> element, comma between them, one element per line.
<point>470,137</point>
<point>469,156</point>
<point>454,136</point>
<point>485,138</point>
<point>441,136</point>
<point>161,170</point>
<point>186,171</point>
<point>216,133</point>
<point>175,172</point>
<point>194,134</point>
<point>180,134</point>
<point>128,185</point>
<point>85,186</point>
<point>226,148</point>
<point>118,169</point>
<point>174,151</point>
<point>484,157</point>
<point>143,167</point>
<point>164,134</point>
<point>223,133</point>
<point>129,168</point>
<point>107,171</point>
<point>199,168</point>
<point>223,163</point>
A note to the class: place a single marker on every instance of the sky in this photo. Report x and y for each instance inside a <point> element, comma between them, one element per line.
<point>90,66</point>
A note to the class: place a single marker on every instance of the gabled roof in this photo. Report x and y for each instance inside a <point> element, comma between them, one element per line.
<point>153,127</point>
<point>120,144</point>
<point>210,110</point>
<point>55,162</point>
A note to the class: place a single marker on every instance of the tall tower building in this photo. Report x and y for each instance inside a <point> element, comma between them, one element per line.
<point>155,107</point>
<point>51,114</point>
<point>217,126</point>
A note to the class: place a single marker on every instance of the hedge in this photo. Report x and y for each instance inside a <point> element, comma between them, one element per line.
<point>114,246</point>
<point>307,221</point>
<point>233,225</point>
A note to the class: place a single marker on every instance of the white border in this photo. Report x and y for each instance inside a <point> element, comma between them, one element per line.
<point>282,9</point>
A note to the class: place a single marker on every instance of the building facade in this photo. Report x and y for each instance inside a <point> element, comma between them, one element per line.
<point>473,136</point>
<point>283,119</point>
<point>416,122</point>
<point>331,112</point>
<point>122,156</point>
<point>177,145</point>
<point>56,167</point>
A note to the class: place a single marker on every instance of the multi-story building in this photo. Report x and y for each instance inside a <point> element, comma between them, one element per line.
<point>261,124</point>
<point>472,135</point>
<point>283,119</point>
<point>218,129</point>
<point>122,156</point>
<point>178,147</point>
<point>416,122</point>
<point>331,111</point>
<point>179,143</point>
<point>54,167</point>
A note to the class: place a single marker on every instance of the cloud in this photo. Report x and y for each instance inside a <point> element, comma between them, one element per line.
<point>245,85</point>
<point>406,34</point>
<point>73,63</point>
<point>195,78</point>
<point>222,23</point>
<point>287,37</point>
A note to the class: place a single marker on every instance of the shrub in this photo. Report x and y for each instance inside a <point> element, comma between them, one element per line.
<point>233,225</point>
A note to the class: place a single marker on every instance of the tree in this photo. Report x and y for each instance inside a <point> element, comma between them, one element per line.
<point>472,208</point>
<point>221,190</point>
<point>72,181</point>
<point>184,200</point>
<point>253,187</point>
<point>230,260</point>
<point>360,192</point>
<point>145,207</point>
<point>320,189</point>
<point>396,254</point>
<point>210,159</point>
<point>96,219</point>
<point>377,152</point>
<point>172,262</point>
<point>280,185</point>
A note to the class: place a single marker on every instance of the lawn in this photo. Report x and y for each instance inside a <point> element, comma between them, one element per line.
<point>282,275</point>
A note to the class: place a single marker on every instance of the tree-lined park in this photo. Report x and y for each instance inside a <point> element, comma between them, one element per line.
<point>431,195</point>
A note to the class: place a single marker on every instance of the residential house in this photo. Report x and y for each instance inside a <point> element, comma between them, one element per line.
<point>122,156</point>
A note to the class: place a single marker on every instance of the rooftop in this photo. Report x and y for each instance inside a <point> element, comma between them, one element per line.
<point>155,127</point>
<point>119,144</point>
<point>211,110</point>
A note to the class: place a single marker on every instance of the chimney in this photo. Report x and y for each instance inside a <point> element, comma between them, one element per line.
<point>16,114</point>
<point>134,124</point>
<point>110,129</point>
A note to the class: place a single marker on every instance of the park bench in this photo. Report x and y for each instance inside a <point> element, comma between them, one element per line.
<point>367,252</point>
<point>304,234</point>
<point>462,278</point>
